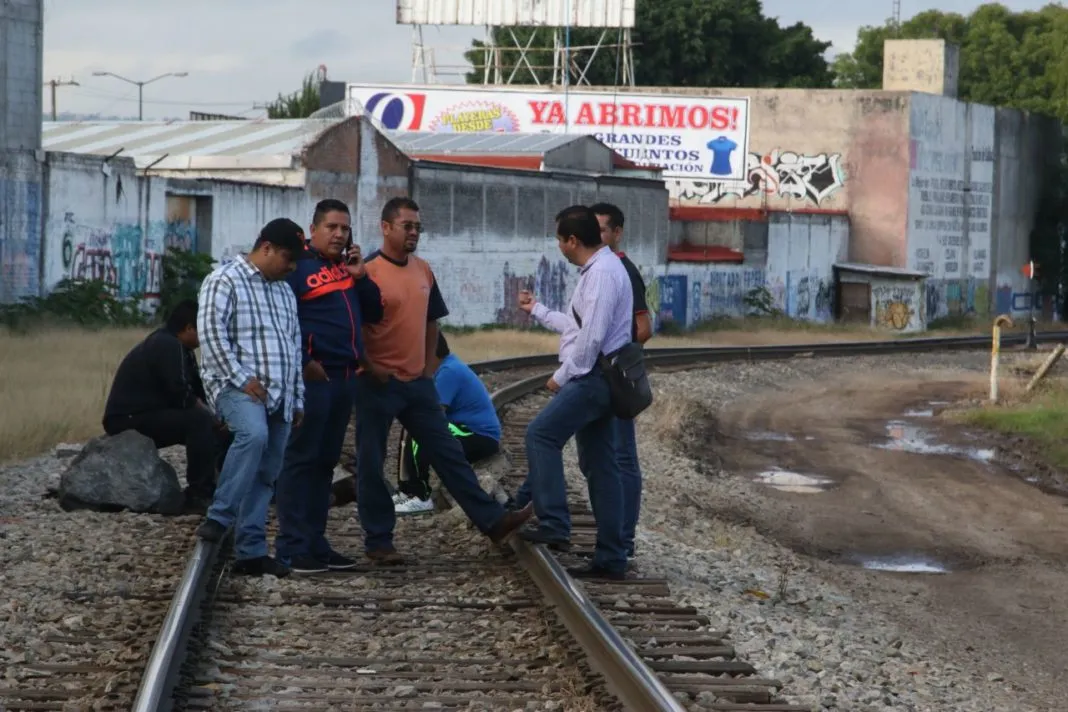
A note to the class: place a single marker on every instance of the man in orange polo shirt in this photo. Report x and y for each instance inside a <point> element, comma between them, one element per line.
<point>400,384</point>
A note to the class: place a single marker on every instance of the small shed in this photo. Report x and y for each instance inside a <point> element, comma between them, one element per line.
<point>884,297</point>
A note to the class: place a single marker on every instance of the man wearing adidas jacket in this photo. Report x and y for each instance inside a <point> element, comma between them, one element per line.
<point>335,297</point>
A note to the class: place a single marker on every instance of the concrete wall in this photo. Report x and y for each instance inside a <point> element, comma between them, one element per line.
<point>106,220</point>
<point>103,223</point>
<point>21,67</point>
<point>491,233</point>
<point>951,189</point>
<point>21,208</point>
<point>928,66</point>
<point>797,274</point>
<point>1023,145</point>
<point>820,150</point>
<point>354,163</point>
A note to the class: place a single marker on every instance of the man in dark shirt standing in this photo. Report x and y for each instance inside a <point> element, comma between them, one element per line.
<point>398,383</point>
<point>611,219</point>
<point>334,299</point>
<point>157,392</point>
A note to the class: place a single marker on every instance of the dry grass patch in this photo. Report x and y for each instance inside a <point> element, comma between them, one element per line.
<point>54,385</point>
<point>671,416</point>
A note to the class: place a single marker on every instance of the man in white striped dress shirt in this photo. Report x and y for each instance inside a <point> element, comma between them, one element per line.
<point>251,367</point>
<point>598,321</point>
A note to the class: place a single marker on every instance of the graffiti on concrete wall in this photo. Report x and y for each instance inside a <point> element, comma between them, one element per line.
<point>121,255</point>
<point>672,299</point>
<point>20,241</point>
<point>957,297</point>
<point>549,283</point>
<point>813,178</point>
<point>179,235</point>
<point>895,306</point>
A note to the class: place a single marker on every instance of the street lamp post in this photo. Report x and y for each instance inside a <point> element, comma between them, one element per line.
<point>141,87</point>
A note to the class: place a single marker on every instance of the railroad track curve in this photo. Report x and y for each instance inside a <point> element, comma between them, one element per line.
<point>386,639</point>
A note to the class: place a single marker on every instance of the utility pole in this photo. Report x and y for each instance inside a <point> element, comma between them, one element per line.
<point>141,87</point>
<point>59,83</point>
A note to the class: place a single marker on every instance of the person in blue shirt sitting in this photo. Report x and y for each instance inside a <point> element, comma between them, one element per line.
<point>472,420</point>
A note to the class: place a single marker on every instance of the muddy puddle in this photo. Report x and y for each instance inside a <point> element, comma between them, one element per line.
<point>768,436</point>
<point>786,481</point>
<point>904,436</point>
<point>903,563</point>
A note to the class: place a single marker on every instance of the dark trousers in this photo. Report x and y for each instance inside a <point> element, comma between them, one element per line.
<point>417,463</point>
<point>582,408</point>
<point>302,494</point>
<point>205,444</point>
<point>415,404</point>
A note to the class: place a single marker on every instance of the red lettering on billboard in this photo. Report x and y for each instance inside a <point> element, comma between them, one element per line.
<point>634,115</point>
<point>547,112</point>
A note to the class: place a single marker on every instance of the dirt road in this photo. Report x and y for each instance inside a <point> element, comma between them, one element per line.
<point>862,473</point>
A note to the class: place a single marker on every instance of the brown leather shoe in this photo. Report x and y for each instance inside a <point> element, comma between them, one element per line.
<point>509,524</point>
<point>386,557</point>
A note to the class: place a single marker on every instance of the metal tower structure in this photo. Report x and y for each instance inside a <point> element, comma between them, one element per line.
<point>896,16</point>
<point>512,60</point>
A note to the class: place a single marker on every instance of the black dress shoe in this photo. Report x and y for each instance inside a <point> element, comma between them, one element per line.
<point>597,572</point>
<point>260,566</point>
<point>211,530</point>
<point>540,535</point>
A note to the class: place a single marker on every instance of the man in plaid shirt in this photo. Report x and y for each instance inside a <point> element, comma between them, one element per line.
<point>251,367</point>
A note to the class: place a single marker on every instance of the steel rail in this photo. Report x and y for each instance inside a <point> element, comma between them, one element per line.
<point>628,677</point>
<point>168,653</point>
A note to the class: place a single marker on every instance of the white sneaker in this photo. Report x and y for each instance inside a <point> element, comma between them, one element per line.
<point>414,505</point>
<point>399,498</point>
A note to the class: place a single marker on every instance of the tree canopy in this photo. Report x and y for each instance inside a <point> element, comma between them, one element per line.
<point>713,43</point>
<point>298,105</point>
<point>1007,58</point>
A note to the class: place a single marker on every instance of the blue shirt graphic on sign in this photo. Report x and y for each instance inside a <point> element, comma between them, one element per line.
<point>721,149</point>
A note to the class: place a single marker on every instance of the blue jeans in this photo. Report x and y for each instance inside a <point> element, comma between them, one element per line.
<point>249,471</point>
<point>580,409</point>
<point>630,474</point>
<point>415,404</point>
<point>302,497</point>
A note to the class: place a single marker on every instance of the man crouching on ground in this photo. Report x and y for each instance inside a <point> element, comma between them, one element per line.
<point>157,392</point>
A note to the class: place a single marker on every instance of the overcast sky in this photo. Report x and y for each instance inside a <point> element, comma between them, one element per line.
<point>242,52</point>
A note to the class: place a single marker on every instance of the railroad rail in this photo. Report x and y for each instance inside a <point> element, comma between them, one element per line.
<point>649,651</point>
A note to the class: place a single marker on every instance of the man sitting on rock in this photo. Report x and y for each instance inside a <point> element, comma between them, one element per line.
<point>157,392</point>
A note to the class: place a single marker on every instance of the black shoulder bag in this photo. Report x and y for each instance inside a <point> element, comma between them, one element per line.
<point>628,383</point>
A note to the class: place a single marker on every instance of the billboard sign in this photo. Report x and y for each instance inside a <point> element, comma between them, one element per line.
<point>523,13</point>
<point>697,138</point>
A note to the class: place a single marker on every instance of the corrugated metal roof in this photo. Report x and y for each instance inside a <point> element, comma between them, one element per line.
<point>430,142</point>
<point>184,138</point>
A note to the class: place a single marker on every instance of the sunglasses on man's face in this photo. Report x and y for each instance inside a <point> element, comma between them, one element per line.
<point>415,227</point>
